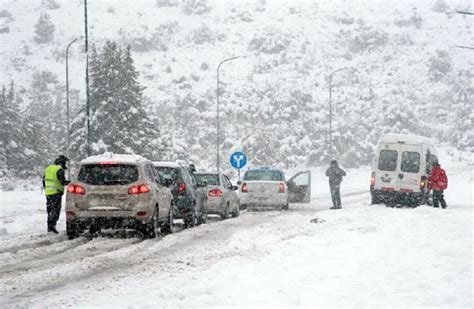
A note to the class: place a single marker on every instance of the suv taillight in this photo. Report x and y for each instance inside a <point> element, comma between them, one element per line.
<point>422,182</point>
<point>244,188</point>
<point>76,189</point>
<point>281,187</point>
<point>215,193</point>
<point>372,181</point>
<point>139,189</point>
<point>181,188</point>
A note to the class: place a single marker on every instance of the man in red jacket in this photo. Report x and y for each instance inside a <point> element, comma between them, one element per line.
<point>438,182</point>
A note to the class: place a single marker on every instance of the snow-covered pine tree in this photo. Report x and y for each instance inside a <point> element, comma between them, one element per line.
<point>3,132</point>
<point>44,29</point>
<point>11,132</point>
<point>119,122</point>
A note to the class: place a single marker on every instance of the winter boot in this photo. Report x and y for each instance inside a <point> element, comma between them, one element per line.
<point>53,229</point>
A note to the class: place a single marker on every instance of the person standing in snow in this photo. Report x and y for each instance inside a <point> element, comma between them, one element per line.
<point>335,174</point>
<point>54,181</point>
<point>438,182</point>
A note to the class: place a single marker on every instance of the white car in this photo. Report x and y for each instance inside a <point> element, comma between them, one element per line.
<point>222,198</point>
<point>267,188</point>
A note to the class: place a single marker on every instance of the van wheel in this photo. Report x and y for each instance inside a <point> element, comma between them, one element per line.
<point>286,206</point>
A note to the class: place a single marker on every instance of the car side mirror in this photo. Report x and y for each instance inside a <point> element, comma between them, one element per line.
<point>239,182</point>
<point>235,188</point>
<point>167,182</point>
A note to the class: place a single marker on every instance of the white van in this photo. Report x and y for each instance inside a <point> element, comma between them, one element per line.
<point>401,168</point>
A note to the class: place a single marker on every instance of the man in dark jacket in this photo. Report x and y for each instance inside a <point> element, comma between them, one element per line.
<point>438,182</point>
<point>335,174</point>
<point>54,181</point>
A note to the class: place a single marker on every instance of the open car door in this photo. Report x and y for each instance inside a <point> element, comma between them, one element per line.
<point>299,187</point>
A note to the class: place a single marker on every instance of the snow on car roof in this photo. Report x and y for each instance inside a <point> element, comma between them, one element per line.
<point>112,157</point>
<point>407,138</point>
<point>167,164</point>
<point>265,169</point>
<point>206,172</point>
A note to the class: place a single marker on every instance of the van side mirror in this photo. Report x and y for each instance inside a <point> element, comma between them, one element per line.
<point>235,188</point>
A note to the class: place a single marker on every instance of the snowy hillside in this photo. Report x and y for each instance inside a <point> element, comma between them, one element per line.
<point>404,73</point>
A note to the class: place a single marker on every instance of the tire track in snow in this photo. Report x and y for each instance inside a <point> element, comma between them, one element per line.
<point>48,257</point>
<point>32,241</point>
<point>167,250</point>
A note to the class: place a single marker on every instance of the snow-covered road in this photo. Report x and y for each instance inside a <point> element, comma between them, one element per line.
<point>361,255</point>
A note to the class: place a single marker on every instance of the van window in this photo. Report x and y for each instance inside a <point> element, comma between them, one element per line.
<point>410,162</point>
<point>114,174</point>
<point>388,160</point>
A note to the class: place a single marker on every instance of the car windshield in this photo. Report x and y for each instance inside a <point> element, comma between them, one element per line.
<point>166,172</point>
<point>210,179</point>
<point>116,174</point>
<point>388,160</point>
<point>264,175</point>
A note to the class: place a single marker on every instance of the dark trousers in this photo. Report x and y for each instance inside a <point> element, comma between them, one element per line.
<point>53,206</point>
<point>335,194</point>
<point>438,196</point>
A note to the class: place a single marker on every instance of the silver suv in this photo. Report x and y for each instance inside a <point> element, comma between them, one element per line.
<point>113,191</point>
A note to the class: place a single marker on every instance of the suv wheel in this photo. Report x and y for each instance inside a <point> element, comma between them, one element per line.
<point>152,229</point>
<point>169,226</point>
<point>72,229</point>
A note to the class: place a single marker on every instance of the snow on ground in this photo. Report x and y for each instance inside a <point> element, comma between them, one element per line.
<point>362,255</point>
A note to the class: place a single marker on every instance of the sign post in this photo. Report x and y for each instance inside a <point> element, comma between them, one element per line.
<point>238,160</point>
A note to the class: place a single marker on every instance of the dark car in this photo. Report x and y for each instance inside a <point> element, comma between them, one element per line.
<point>189,197</point>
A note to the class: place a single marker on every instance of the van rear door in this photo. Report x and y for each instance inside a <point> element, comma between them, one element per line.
<point>410,168</point>
<point>386,167</point>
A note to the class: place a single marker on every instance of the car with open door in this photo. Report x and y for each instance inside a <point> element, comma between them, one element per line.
<point>222,198</point>
<point>268,188</point>
<point>118,191</point>
<point>299,187</point>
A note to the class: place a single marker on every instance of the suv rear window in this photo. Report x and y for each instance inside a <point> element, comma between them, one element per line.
<point>410,162</point>
<point>116,174</point>
<point>210,179</point>
<point>388,160</point>
<point>263,175</point>
<point>166,172</point>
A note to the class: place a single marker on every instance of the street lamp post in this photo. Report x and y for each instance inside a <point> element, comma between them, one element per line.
<point>88,146</point>
<point>330,109</point>
<point>67,102</point>
<point>217,116</point>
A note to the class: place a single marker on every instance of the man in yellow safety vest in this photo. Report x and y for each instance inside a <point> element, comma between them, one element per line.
<point>54,181</point>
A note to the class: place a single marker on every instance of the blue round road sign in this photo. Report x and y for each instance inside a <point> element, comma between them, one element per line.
<point>238,159</point>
